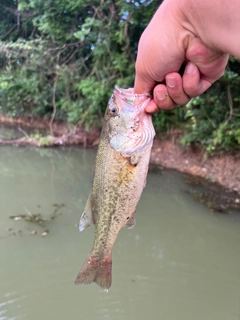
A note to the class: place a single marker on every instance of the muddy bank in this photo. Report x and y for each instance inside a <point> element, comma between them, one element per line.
<point>223,169</point>
<point>37,133</point>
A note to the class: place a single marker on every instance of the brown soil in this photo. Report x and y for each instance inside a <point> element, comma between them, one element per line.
<point>223,169</point>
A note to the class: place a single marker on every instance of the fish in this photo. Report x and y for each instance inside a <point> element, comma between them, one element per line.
<point>119,178</point>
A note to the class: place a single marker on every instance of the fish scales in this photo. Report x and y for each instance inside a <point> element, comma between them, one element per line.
<point>120,182</point>
<point>119,177</point>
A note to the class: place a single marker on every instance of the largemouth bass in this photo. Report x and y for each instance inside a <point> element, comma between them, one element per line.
<point>119,177</point>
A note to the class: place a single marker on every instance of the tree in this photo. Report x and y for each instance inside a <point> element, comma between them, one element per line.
<point>70,55</point>
<point>61,59</point>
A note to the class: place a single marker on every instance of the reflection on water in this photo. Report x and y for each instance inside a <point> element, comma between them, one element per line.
<point>179,262</point>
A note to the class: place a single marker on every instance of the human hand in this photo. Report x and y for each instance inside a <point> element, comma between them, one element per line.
<point>169,42</point>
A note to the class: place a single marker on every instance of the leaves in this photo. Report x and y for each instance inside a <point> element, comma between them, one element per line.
<point>213,119</point>
<point>88,45</point>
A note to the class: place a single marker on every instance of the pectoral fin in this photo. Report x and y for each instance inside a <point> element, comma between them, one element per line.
<point>86,218</point>
<point>131,222</point>
<point>134,159</point>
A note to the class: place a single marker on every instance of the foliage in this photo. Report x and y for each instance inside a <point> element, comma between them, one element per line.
<point>213,119</point>
<point>62,61</point>
<point>65,59</point>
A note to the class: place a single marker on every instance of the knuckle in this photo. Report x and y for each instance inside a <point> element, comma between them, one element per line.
<point>179,97</point>
<point>167,105</point>
<point>191,91</point>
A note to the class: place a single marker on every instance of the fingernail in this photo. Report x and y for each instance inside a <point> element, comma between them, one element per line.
<point>161,94</point>
<point>171,82</point>
<point>190,68</point>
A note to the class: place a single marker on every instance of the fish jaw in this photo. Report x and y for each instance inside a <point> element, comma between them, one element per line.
<point>96,269</point>
<point>130,127</point>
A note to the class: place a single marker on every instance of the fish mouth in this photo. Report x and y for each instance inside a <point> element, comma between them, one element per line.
<point>130,92</point>
<point>139,101</point>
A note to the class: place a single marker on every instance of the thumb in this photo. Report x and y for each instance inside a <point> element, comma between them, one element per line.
<point>143,84</point>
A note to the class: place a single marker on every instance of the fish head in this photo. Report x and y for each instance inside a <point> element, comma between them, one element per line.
<point>130,127</point>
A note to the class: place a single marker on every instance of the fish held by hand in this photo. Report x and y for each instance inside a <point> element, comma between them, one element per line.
<point>119,177</point>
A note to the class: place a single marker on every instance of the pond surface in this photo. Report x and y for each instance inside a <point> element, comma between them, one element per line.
<point>180,261</point>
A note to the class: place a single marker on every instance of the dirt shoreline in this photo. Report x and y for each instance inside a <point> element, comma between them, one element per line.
<point>223,169</point>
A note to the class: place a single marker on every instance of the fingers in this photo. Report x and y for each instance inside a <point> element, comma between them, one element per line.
<point>161,100</point>
<point>193,83</point>
<point>178,90</point>
<point>168,96</point>
<point>174,83</point>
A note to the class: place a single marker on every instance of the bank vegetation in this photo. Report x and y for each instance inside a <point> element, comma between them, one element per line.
<point>60,60</point>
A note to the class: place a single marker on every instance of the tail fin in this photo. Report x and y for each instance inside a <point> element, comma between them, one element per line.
<point>97,270</point>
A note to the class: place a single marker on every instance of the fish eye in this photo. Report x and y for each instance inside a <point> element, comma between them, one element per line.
<point>112,107</point>
<point>113,110</point>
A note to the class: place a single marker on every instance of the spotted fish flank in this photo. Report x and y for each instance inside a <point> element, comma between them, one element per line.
<point>119,177</point>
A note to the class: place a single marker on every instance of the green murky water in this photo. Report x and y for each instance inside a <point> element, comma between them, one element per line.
<point>179,262</point>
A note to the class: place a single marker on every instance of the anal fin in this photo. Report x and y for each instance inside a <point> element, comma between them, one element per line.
<point>134,160</point>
